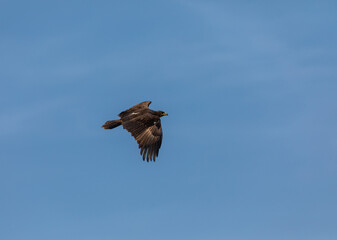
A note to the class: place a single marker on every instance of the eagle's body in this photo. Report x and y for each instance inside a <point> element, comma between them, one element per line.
<point>144,125</point>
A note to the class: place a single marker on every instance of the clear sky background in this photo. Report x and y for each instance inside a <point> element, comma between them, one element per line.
<point>250,143</point>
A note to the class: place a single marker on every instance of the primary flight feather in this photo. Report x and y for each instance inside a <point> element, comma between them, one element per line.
<point>144,125</point>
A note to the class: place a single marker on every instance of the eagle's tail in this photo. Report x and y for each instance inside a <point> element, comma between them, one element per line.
<point>112,124</point>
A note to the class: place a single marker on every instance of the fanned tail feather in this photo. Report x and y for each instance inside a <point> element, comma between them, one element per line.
<point>112,124</point>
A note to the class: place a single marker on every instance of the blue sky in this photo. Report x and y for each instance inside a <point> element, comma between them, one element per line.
<point>250,143</point>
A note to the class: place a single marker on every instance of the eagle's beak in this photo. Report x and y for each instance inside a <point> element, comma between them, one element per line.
<point>165,114</point>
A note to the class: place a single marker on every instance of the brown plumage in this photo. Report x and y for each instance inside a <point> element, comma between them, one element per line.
<point>144,125</point>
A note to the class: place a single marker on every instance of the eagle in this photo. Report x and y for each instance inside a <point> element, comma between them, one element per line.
<point>144,125</point>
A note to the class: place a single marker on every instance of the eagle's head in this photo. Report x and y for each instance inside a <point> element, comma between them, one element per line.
<point>162,113</point>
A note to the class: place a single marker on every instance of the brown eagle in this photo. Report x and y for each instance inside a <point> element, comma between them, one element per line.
<point>144,125</point>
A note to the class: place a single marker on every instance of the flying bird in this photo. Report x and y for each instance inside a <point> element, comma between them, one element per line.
<point>144,125</point>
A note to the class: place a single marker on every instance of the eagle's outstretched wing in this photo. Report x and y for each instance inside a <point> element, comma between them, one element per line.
<point>133,111</point>
<point>147,131</point>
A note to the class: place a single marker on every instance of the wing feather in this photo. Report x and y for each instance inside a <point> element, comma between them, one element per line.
<point>147,132</point>
<point>135,110</point>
